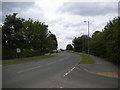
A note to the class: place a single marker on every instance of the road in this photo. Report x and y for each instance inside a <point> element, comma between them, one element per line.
<point>61,71</point>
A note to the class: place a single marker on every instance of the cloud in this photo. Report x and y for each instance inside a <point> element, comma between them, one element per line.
<point>69,38</point>
<point>0,12</point>
<point>119,8</point>
<point>73,25</point>
<point>88,8</point>
<point>14,7</point>
<point>8,7</point>
<point>24,9</point>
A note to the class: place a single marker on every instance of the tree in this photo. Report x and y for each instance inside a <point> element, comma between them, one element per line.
<point>31,36</point>
<point>106,43</point>
<point>35,35</point>
<point>10,31</point>
<point>96,33</point>
<point>81,43</point>
<point>51,42</point>
<point>69,47</point>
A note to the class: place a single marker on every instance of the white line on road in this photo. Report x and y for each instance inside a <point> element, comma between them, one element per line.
<point>51,63</point>
<point>38,66</point>
<point>55,61</point>
<point>8,67</point>
<point>61,87</point>
<point>29,69</point>
<point>69,71</point>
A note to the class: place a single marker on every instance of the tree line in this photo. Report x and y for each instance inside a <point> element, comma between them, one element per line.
<point>105,43</point>
<point>31,37</point>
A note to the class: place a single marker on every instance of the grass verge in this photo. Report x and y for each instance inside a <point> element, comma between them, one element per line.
<point>0,62</point>
<point>27,59</point>
<point>86,59</point>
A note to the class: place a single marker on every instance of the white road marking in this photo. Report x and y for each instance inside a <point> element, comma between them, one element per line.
<point>36,67</point>
<point>55,61</point>
<point>7,67</point>
<point>61,87</point>
<point>51,63</point>
<point>69,71</point>
<point>29,69</point>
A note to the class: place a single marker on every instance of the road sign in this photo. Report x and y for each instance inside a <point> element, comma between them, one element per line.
<point>18,50</point>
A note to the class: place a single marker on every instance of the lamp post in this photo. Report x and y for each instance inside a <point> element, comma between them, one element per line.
<point>88,34</point>
<point>82,42</point>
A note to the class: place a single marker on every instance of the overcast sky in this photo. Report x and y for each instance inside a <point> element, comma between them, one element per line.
<point>65,17</point>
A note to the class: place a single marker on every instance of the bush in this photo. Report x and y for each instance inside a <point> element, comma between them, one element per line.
<point>29,53</point>
<point>8,53</point>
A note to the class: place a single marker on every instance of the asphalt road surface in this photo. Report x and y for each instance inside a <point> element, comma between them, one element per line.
<point>61,71</point>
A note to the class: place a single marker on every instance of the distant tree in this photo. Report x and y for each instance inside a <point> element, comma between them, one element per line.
<point>81,43</point>
<point>69,47</point>
<point>96,33</point>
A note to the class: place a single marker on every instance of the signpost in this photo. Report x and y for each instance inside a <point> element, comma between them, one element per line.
<point>18,52</point>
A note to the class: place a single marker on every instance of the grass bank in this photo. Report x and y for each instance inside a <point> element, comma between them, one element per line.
<point>86,59</point>
<point>26,59</point>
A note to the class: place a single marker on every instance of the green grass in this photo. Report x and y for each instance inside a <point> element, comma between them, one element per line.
<point>86,59</point>
<point>26,59</point>
<point>58,52</point>
<point>0,62</point>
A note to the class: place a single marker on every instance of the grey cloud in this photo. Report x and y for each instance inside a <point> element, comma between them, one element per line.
<point>15,7</point>
<point>0,6</point>
<point>69,38</point>
<point>58,20</point>
<point>88,8</point>
<point>73,25</point>
<point>0,12</point>
<point>119,8</point>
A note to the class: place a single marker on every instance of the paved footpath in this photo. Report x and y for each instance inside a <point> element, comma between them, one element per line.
<point>101,67</point>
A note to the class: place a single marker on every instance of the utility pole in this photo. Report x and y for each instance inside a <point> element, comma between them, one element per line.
<point>88,34</point>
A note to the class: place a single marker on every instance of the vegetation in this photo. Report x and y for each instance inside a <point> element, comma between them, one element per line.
<point>86,59</point>
<point>81,43</point>
<point>32,37</point>
<point>69,47</point>
<point>0,62</point>
<point>105,44</point>
<point>26,60</point>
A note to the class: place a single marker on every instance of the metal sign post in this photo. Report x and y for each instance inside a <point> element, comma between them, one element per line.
<point>18,52</point>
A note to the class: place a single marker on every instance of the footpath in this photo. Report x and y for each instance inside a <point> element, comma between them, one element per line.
<point>101,67</point>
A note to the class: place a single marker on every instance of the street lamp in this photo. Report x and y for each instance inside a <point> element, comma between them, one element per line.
<point>82,42</point>
<point>88,34</point>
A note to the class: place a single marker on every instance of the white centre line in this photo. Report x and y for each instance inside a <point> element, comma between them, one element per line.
<point>61,87</point>
<point>38,66</point>
<point>69,71</point>
<point>29,69</point>
<point>51,63</point>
